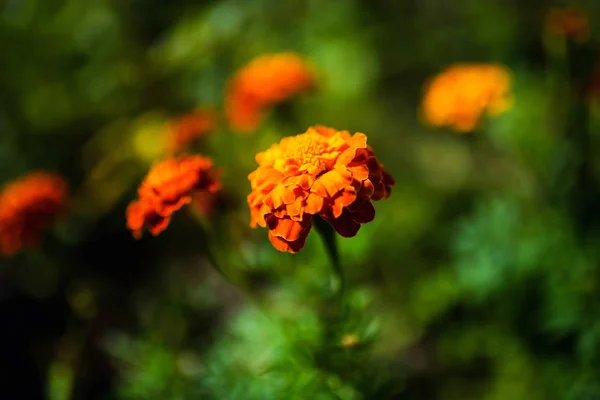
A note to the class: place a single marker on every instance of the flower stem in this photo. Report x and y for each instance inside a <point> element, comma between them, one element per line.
<point>584,195</point>
<point>239,282</point>
<point>329,238</point>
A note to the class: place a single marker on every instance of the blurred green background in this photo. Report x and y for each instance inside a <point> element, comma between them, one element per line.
<point>478,279</point>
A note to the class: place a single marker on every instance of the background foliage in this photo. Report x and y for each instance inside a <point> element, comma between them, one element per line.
<point>478,279</point>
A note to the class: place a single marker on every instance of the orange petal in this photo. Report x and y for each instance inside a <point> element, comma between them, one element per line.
<point>279,213</point>
<point>158,224</point>
<point>290,247</point>
<point>367,189</point>
<point>344,224</point>
<point>343,199</point>
<point>296,209</point>
<point>359,172</point>
<point>360,157</point>
<point>305,181</point>
<point>274,199</point>
<point>331,182</point>
<point>259,215</point>
<point>254,199</point>
<point>358,141</point>
<point>270,175</point>
<point>346,157</point>
<point>286,228</point>
<point>313,204</point>
<point>166,209</point>
<point>379,191</point>
<point>292,194</point>
<point>365,213</point>
<point>374,169</point>
<point>265,187</point>
<point>135,215</point>
<point>388,180</point>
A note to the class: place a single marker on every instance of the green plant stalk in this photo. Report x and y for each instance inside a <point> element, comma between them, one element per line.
<point>209,231</point>
<point>329,239</point>
<point>584,195</point>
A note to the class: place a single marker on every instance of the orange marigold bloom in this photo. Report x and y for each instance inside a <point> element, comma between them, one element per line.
<point>266,80</point>
<point>188,128</point>
<point>169,186</point>
<point>28,206</point>
<point>568,21</point>
<point>458,96</point>
<point>321,172</point>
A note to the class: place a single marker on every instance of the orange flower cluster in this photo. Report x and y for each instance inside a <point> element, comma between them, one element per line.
<point>185,130</point>
<point>457,97</point>
<point>169,186</point>
<point>321,172</point>
<point>27,206</point>
<point>568,21</point>
<point>266,80</point>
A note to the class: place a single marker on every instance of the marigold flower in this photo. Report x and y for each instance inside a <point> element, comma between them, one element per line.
<point>568,21</point>
<point>169,186</point>
<point>188,128</point>
<point>265,81</point>
<point>28,206</point>
<point>458,96</point>
<point>321,172</point>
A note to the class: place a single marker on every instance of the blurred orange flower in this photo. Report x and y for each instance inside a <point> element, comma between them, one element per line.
<point>29,205</point>
<point>321,172</point>
<point>169,186</point>
<point>266,80</point>
<point>458,96</point>
<point>188,128</point>
<point>568,21</point>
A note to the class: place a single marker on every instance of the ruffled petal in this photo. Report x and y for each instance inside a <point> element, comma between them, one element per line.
<point>290,247</point>
<point>343,199</point>
<point>331,182</point>
<point>313,204</point>
<point>359,172</point>
<point>305,181</point>
<point>286,228</point>
<point>295,210</point>
<point>344,224</point>
<point>365,213</point>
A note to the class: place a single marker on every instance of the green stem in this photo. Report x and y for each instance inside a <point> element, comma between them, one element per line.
<point>584,195</point>
<point>239,282</point>
<point>329,238</point>
<point>210,257</point>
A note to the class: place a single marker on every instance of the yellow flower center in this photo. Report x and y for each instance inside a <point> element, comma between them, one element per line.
<point>310,152</point>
